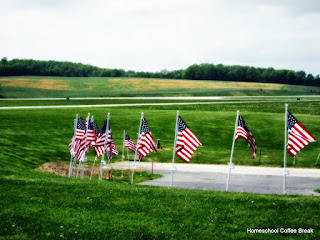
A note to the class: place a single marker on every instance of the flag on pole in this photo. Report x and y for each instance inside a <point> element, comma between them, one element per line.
<point>111,148</point>
<point>187,142</point>
<point>84,144</point>
<point>93,131</point>
<point>145,143</point>
<point>100,143</point>
<point>243,131</point>
<point>299,137</point>
<point>129,143</point>
<point>81,129</point>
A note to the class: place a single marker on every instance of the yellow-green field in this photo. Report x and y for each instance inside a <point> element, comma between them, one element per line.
<point>84,87</point>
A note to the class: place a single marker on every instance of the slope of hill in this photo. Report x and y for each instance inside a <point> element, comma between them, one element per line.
<point>27,87</point>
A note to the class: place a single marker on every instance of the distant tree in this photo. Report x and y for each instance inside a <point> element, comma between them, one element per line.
<point>310,80</point>
<point>4,60</point>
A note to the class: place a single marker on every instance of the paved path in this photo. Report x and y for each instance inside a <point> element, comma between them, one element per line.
<point>163,98</point>
<point>243,179</point>
<point>149,104</point>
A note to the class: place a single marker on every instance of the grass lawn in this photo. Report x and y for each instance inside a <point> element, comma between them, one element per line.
<point>44,134</point>
<point>37,205</point>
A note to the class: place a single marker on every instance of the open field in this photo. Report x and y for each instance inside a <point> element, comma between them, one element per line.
<point>36,205</point>
<point>15,87</point>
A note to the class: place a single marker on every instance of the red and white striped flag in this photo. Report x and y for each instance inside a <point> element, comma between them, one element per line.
<point>111,148</point>
<point>299,137</point>
<point>101,141</point>
<point>81,129</point>
<point>187,142</point>
<point>129,143</point>
<point>145,143</point>
<point>84,144</point>
<point>243,131</point>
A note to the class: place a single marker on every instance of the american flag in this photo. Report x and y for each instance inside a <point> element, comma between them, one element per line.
<point>84,144</point>
<point>299,137</point>
<point>111,148</point>
<point>187,142</point>
<point>243,131</point>
<point>129,143</point>
<point>76,143</point>
<point>81,129</point>
<point>145,143</point>
<point>92,133</point>
<point>100,143</point>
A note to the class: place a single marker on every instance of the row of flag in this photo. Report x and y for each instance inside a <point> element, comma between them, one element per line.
<point>87,134</point>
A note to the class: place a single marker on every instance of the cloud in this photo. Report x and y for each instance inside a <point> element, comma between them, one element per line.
<point>150,35</point>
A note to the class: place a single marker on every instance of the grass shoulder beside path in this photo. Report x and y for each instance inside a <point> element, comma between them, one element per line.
<point>36,205</point>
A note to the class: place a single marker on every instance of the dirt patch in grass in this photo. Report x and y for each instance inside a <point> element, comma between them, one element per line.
<point>49,84</point>
<point>63,170</point>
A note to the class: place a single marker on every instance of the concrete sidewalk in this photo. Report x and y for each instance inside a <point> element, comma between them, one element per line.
<point>242,179</point>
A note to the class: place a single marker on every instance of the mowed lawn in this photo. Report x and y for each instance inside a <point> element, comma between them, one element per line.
<point>35,136</point>
<point>32,86</point>
<point>37,205</point>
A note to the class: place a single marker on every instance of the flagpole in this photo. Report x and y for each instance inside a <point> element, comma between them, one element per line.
<point>124,138</point>
<point>285,149</point>
<point>109,156</point>
<point>140,163</point>
<point>73,141</point>
<point>87,125</point>
<point>317,159</point>
<point>135,155</point>
<point>128,160</point>
<point>95,159</point>
<point>174,148</point>
<point>105,142</point>
<point>231,157</point>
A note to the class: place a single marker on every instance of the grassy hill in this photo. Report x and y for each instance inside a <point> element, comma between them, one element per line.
<point>15,87</point>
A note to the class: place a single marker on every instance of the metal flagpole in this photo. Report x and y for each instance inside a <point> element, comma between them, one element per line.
<point>80,161</point>
<point>82,171</point>
<point>140,160</point>
<point>317,159</point>
<point>285,149</point>
<point>124,138</point>
<point>103,163</point>
<point>128,160</point>
<point>231,165</point>
<point>95,159</point>
<point>107,141</point>
<point>174,148</point>
<point>109,161</point>
<point>73,142</point>
<point>135,155</point>
<point>78,168</point>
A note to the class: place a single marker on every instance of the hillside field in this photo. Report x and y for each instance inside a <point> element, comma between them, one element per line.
<point>32,86</point>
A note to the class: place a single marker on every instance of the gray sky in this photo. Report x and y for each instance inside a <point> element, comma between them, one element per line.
<point>151,35</point>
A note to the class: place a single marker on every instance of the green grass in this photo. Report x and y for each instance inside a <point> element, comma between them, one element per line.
<point>12,87</point>
<point>35,136</point>
<point>35,205</point>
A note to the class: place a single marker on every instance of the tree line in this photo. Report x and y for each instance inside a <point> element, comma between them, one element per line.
<point>205,71</point>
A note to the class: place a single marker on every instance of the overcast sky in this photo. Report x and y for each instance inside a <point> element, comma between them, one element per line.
<point>151,35</point>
